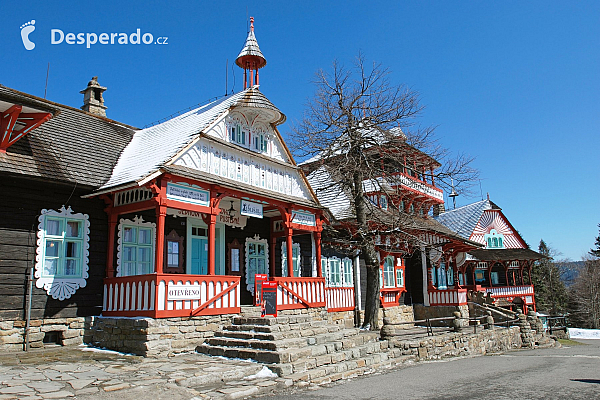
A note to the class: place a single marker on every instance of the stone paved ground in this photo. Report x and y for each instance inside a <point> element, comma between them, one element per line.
<point>71,373</point>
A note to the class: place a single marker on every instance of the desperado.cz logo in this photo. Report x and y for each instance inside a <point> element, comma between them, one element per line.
<point>58,36</point>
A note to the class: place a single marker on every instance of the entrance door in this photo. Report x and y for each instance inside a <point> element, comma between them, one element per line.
<point>199,256</point>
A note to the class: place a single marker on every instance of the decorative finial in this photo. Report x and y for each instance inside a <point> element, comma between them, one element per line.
<point>252,24</point>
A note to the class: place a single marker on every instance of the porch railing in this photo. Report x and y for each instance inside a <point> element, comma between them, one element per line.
<point>447,297</point>
<point>293,293</point>
<point>390,297</point>
<point>148,295</point>
<point>339,298</point>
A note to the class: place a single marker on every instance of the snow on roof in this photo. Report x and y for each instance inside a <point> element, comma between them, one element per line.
<point>330,194</point>
<point>152,147</point>
<point>463,220</point>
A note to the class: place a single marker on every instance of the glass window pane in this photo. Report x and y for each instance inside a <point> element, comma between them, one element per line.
<point>128,253</point>
<point>145,236</point>
<point>71,268</point>
<point>74,229</point>
<point>53,227</point>
<point>52,248</point>
<point>261,249</point>
<point>143,254</point>
<point>50,266</point>
<point>72,250</point>
<point>129,234</point>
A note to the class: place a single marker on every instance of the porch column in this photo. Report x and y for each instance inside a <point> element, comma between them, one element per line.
<point>110,256</point>
<point>161,213</point>
<point>272,257</point>
<point>490,275</point>
<point>317,236</point>
<point>425,272</point>
<point>506,275</point>
<point>290,253</point>
<point>211,222</point>
<point>473,273</point>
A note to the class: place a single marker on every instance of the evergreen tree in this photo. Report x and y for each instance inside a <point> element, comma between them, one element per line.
<point>596,252</point>
<point>550,292</point>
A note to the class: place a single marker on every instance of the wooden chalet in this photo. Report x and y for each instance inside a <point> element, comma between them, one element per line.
<point>502,268</point>
<point>405,195</point>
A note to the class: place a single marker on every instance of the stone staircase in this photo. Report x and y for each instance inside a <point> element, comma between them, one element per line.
<point>301,348</point>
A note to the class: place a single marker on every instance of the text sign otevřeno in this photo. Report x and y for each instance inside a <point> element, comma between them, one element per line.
<point>251,209</point>
<point>303,218</point>
<point>187,194</point>
<point>183,292</point>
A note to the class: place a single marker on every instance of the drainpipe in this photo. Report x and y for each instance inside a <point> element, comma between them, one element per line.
<point>425,278</point>
<point>28,313</point>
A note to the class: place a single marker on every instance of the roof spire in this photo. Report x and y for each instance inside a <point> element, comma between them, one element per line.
<point>250,58</point>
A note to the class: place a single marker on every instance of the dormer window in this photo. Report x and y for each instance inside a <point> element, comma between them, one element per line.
<point>494,240</point>
<point>260,142</point>
<point>237,135</point>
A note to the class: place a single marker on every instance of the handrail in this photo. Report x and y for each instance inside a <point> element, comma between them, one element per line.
<point>213,299</point>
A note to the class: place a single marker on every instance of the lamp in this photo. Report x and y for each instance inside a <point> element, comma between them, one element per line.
<point>231,210</point>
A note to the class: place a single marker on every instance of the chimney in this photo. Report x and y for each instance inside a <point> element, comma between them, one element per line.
<point>92,98</point>
<point>438,209</point>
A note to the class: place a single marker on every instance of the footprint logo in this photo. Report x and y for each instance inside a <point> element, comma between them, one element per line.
<point>26,29</point>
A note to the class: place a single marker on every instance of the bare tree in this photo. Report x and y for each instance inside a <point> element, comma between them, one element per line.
<point>362,128</point>
<point>585,294</point>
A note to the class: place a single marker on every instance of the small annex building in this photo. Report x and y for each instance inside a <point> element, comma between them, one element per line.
<point>502,268</point>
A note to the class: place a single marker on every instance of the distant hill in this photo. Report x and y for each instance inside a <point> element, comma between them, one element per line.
<point>569,271</point>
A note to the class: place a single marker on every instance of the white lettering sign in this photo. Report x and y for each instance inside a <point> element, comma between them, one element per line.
<point>251,209</point>
<point>303,218</point>
<point>183,292</point>
<point>187,194</point>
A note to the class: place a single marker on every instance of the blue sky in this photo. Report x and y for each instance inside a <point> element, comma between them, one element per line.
<point>514,83</point>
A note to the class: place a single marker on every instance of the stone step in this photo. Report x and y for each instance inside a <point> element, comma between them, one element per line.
<point>332,341</point>
<point>320,354</point>
<point>291,320</point>
<point>292,330</point>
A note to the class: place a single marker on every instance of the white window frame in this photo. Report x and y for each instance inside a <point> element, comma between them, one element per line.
<point>62,286</point>
<point>347,272</point>
<point>389,280</point>
<point>137,222</point>
<point>296,259</point>
<point>400,277</point>
<point>255,240</point>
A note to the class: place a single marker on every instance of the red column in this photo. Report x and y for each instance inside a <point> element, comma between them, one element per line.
<point>161,214</point>
<point>272,256</point>
<point>473,274</point>
<point>318,255</point>
<point>110,257</point>
<point>290,253</point>
<point>212,222</point>
<point>506,275</point>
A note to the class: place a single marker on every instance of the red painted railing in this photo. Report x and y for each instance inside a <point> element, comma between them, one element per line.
<point>390,297</point>
<point>447,297</point>
<point>300,292</point>
<point>526,292</point>
<point>339,298</point>
<point>148,295</point>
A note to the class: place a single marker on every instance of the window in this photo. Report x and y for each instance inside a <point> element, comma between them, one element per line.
<point>335,273</point>
<point>296,260</point>
<point>494,240</point>
<point>441,276</point>
<point>383,202</point>
<point>348,273</point>
<point>399,277</point>
<point>450,276</point>
<point>388,272</point>
<point>136,247</point>
<point>257,254</point>
<point>62,253</point>
<point>237,134</point>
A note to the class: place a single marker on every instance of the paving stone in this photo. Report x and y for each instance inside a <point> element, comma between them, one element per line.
<point>45,386</point>
<point>113,388</point>
<point>21,389</point>
<point>78,384</point>
<point>57,395</point>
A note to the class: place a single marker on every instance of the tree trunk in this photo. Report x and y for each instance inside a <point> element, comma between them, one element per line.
<point>371,320</point>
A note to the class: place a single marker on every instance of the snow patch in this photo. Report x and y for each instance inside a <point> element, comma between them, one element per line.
<point>84,347</point>
<point>263,373</point>
<point>578,333</point>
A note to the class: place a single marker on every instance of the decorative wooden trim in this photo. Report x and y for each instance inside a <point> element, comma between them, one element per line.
<point>61,288</point>
<point>137,221</point>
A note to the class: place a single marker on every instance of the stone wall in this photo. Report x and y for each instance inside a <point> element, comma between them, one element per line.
<point>422,312</point>
<point>67,331</point>
<point>400,313</point>
<point>460,344</point>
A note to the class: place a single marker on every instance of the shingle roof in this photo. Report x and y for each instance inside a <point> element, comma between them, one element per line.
<point>73,146</point>
<point>464,219</point>
<point>152,147</point>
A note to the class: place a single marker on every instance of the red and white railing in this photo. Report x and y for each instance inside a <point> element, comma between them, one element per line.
<point>390,297</point>
<point>447,297</point>
<point>339,298</point>
<point>300,292</point>
<point>526,292</point>
<point>149,295</point>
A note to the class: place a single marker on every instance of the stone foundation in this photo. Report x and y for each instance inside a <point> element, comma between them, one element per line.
<point>68,331</point>
<point>425,312</point>
<point>460,344</point>
<point>401,313</point>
